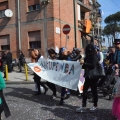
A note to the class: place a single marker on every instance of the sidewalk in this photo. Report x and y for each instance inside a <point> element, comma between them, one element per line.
<point>16,77</point>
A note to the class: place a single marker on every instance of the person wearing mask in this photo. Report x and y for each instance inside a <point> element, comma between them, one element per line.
<point>36,78</point>
<point>89,63</point>
<point>53,56</point>
<point>21,61</point>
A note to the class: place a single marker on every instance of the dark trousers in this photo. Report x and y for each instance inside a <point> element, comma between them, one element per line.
<point>52,87</point>
<point>1,110</point>
<point>9,67</point>
<point>37,79</point>
<point>20,65</point>
<point>63,92</point>
<point>93,85</point>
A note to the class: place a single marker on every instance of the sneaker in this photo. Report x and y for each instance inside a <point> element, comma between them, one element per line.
<point>67,96</point>
<point>38,93</point>
<point>81,109</point>
<point>61,103</point>
<point>93,109</point>
<point>53,96</point>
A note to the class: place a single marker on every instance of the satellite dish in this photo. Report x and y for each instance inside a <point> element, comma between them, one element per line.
<point>8,13</point>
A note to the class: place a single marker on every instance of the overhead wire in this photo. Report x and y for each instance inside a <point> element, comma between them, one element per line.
<point>115,4</point>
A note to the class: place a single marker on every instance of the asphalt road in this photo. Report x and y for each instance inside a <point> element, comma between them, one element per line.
<point>25,106</point>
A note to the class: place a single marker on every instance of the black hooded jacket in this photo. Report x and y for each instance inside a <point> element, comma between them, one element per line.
<point>90,60</point>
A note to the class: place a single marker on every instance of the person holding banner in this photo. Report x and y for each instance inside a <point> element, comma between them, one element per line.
<point>89,63</point>
<point>63,56</point>
<point>53,56</point>
<point>36,78</point>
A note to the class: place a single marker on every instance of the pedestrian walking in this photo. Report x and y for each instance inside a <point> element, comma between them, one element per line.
<point>3,105</point>
<point>53,56</point>
<point>89,64</point>
<point>64,91</point>
<point>37,78</point>
<point>4,60</point>
<point>21,61</point>
<point>9,60</point>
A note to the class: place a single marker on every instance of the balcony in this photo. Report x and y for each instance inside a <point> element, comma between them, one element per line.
<point>85,6</point>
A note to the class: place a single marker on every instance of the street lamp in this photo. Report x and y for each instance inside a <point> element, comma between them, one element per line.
<point>45,2</point>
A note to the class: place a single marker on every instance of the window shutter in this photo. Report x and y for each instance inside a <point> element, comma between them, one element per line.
<point>4,40</point>
<point>33,2</point>
<point>3,5</point>
<point>34,36</point>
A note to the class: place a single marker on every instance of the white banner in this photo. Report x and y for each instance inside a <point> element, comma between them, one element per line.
<point>62,73</point>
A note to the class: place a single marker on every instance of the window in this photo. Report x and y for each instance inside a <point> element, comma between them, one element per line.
<point>34,39</point>
<point>3,7</point>
<point>5,47</point>
<point>5,42</point>
<point>35,44</point>
<point>82,15</point>
<point>33,5</point>
<point>2,13</point>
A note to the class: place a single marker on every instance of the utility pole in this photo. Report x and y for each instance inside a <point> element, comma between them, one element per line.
<point>45,33</point>
<point>19,25</point>
<point>45,2</point>
<point>74,9</point>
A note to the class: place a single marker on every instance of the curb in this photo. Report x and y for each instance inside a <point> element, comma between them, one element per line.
<point>19,82</point>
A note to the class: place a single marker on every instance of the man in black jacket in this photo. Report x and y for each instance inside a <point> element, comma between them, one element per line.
<point>9,61</point>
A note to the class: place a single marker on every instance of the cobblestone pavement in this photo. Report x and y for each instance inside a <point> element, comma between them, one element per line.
<point>25,106</point>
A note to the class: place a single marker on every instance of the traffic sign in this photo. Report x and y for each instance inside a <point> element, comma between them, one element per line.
<point>66,29</point>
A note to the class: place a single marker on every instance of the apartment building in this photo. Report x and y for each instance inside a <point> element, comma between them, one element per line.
<point>33,24</point>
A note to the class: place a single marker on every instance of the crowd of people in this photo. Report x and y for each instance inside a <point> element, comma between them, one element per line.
<point>89,61</point>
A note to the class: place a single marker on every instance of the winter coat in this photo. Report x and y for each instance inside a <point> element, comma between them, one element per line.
<point>9,58</point>
<point>89,63</point>
<point>33,57</point>
<point>117,57</point>
<point>110,57</point>
<point>21,59</point>
<point>76,57</point>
